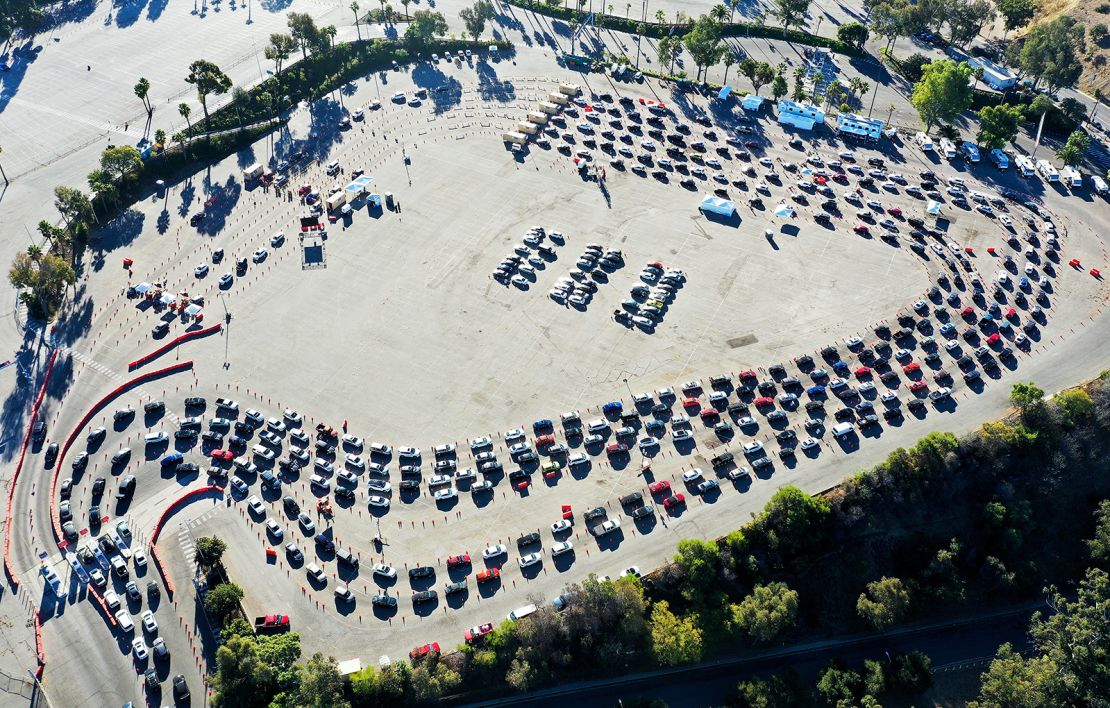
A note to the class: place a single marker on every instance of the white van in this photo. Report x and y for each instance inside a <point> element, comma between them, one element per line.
<point>333,167</point>
<point>521,612</point>
<point>314,573</point>
<point>842,429</point>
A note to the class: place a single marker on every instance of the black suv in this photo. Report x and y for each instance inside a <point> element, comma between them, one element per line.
<point>528,539</point>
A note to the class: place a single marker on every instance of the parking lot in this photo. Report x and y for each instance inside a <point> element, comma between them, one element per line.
<point>403,337</point>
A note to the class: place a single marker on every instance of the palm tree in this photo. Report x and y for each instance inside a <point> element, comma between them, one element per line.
<point>729,60</point>
<point>719,13</point>
<point>406,4</point>
<point>661,17</point>
<point>889,113</point>
<point>627,9</point>
<point>1094,106</point>
<point>354,9</point>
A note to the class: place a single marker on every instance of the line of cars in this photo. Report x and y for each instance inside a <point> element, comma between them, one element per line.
<point>650,299</point>
<point>594,265</point>
<point>532,253</point>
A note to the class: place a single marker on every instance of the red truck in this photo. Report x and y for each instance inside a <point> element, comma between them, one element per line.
<point>271,623</point>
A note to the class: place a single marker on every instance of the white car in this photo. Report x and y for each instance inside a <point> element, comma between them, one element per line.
<point>149,623</point>
<point>139,647</point>
<point>275,529</point>
<point>952,345</point>
<point>201,270</point>
<point>124,620</point>
<point>255,505</point>
<point>560,548</point>
<point>853,342</point>
<point>408,452</point>
<point>380,502</point>
<point>809,443</point>
<point>277,239</point>
<point>160,648</point>
<point>386,571</point>
<point>355,461</point>
<point>140,558</point>
<point>276,425</point>
<point>479,443</point>
<point>529,560</point>
<point>560,526</point>
<point>692,475</point>
<point>494,551</point>
<point>448,493</point>
<point>260,255</point>
<point>610,525</point>
<point>750,448</point>
<point>353,441</point>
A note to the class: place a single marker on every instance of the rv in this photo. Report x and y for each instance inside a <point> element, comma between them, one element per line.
<point>537,117</point>
<point>999,158</point>
<point>924,142</point>
<point>568,89</point>
<point>549,108</point>
<point>971,151</point>
<point>1072,177</point>
<point>1025,166</point>
<point>514,137</point>
<point>1047,171</point>
<point>1099,184</point>
<point>253,172</point>
<point>527,127</point>
<point>556,97</point>
<point>948,149</point>
<point>336,201</point>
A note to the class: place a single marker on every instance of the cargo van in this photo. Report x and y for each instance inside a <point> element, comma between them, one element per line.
<point>521,612</point>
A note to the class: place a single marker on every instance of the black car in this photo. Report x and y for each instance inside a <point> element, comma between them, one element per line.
<point>423,595</point>
<point>455,587</point>
<point>51,455</point>
<point>723,459</point>
<point>843,414</point>
<point>98,486</point>
<point>630,499</point>
<point>194,402</point>
<point>528,539</point>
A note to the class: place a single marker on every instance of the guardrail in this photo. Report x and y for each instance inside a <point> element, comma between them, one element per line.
<point>96,408</point>
<point>19,467</point>
<point>173,506</point>
<point>195,334</point>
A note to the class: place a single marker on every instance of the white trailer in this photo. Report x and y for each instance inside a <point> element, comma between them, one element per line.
<point>252,172</point>
<point>924,142</point>
<point>1099,184</point>
<point>556,97</point>
<point>336,201</point>
<point>1047,171</point>
<point>549,108</point>
<point>948,149</point>
<point>538,117</point>
<point>1072,177</point>
<point>514,137</point>
<point>527,127</point>
<point>568,89</point>
<point>1025,166</point>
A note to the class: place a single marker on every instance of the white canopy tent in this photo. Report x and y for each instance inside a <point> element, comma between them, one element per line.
<point>193,310</point>
<point>143,288</point>
<point>166,299</point>
<point>717,205</point>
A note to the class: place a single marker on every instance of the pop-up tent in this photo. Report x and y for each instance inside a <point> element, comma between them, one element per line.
<point>717,205</point>
<point>784,210</point>
<point>143,288</point>
<point>933,208</point>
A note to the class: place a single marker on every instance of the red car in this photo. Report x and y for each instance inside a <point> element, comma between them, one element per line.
<point>763,401</point>
<point>863,371</point>
<point>616,448</point>
<point>225,455</point>
<point>690,402</point>
<point>708,413</point>
<point>305,189</point>
<point>994,338</point>
<point>421,652</point>
<point>659,487</point>
<point>491,574</point>
<point>918,386</point>
<point>655,264</point>
<point>453,561</point>
<point>1011,314</point>
<point>894,211</point>
<point>475,634</point>
<point>912,367</point>
<point>967,313</point>
<point>861,229</point>
<point>325,430</point>
<point>746,375</point>
<point>673,501</point>
<point>545,440</point>
<point>840,177</point>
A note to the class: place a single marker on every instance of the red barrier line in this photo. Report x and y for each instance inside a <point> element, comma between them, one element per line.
<point>96,408</point>
<point>19,467</point>
<point>95,594</point>
<point>38,640</point>
<point>169,510</point>
<point>195,334</point>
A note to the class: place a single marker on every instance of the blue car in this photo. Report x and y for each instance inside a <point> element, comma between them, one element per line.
<point>612,408</point>
<point>816,390</point>
<point>542,425</point>
<point>948,329</point>
<point>655,428</point>
<point>172,460</point>
<point>840,367</point>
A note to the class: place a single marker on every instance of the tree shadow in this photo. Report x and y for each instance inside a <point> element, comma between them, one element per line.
<point>123,230</point>
<point>128,12</point>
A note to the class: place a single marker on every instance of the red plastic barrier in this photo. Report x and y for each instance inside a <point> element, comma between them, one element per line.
<point>173,507</point>
<point>38,640</point>
<point>195,334</point>
<point>95,594</point>
<point>19,466</point>
<point>96,408</point>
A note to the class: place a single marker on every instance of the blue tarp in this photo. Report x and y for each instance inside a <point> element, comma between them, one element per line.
<point>724,93</point>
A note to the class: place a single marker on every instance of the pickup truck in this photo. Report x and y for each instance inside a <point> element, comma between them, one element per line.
<point>272,623</point>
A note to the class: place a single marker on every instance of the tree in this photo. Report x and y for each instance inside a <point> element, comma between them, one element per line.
<point>474,17</point>
<point>121,161</point>
<point>791,513</point>
<point>791,13</point>
<point>209,550</point>
<point>884,604</point>
<point>1026,396</point>
<point>1073,406</point>
<point>998,125</point>
<point>425,25</point>
<point>839,685</point>
<point>943,92</point>
<point>303,31</point>
<point>208,79</point>
<point>698,561</point>
<point>718,12</point>
<point>674,641</point>
<point>103,186</point>
<point>321,685</point>
<point>661,17</point>
<point>354,9</point>
<point>1017,13</point>
<point>241,679</point>
<point>778,691</point>
<point>852,33</point>
<point>1073,109</point>
<point>766,613</point>
<point>1074,149</point>
<point>1099,546</point>
<point>185,111</point>
<point>728,60</point>
<point>764,74</point>
<point>669,48</point>
<point>1051,52</point>
<point>704,43</point>
<point>1069,666</point>
<point>966,18</point>
<point>73,205</point>
<point>778,86</point>
<point>222,600</point>
<point>160,138</point>
<point>142,90</point>
<point>891,19</point>
<point>280,48</point>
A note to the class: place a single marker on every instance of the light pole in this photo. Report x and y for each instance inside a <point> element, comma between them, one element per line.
<point>249,20</point>
<point>628,387</point>
<point>639,37</point>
